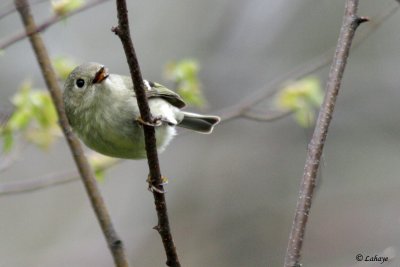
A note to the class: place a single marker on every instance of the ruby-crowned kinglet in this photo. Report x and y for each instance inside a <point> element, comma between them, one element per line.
<point>103,111</point>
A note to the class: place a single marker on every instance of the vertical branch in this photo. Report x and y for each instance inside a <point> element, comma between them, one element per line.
<point>163,228</point>
<point>349,25</point>
<point>114,243</point>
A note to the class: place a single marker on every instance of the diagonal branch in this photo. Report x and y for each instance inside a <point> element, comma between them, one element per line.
<point>238,110</point>
<point>43,26</point>
<point>11,8</point>
<point>349,25</point>
<point>163,228</point>
<point>49,180</point>
<point>265,116</point>
<point>307,68</point>
<point>114,243</point>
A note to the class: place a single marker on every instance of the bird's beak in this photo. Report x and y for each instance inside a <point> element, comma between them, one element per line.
<point>101,75</point>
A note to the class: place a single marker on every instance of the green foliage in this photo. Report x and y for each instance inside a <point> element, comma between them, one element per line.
<point>301,97</point>
<point>100,163</point>
<point>35,119</point>
<point>63,7</point>
<point>8,141</point>
<point>184,74</point>
<point>63,66</point>
<point>34,116</point>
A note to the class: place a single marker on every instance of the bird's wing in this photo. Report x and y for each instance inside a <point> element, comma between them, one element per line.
<point>157,90</point>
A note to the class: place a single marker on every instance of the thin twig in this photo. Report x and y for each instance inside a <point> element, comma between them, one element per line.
<point>114,243</point>
<point>229,113</point>
<point>5,115</point>
<point>11,8</point>
<point>350,23</point>
<point>8,160</point>
<point>265,116</point>
<point>44,25</point>
<point>307,68</point>
<point>60,178</point>
<point>49,180</point>
<point>163,228</point>
<point>31,185</point>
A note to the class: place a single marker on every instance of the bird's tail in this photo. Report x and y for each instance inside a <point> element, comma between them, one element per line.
<point>199,123</point>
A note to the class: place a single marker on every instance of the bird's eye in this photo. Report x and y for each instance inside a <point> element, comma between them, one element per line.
<point>80,83</point>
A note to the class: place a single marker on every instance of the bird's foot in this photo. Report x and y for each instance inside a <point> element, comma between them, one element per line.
<point>156,121</point>
<point>153,188</point>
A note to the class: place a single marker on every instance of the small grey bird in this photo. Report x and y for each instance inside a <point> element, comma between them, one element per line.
<point>103,111</point>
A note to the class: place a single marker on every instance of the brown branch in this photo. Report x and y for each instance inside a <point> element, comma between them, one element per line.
<point>349,25</point>
<point>11,8</point>
<point>8,160</point>
<point>31,185</point>
<point>114,243</point>
<point>305,69</point>
<point>265,116</point>
<point>49,180</point>
<point>44,25</point>
<point>5,115</point>
<point>163,228</point>
<point>227,114</point>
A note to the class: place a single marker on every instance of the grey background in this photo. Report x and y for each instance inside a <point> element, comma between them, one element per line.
<point>232,194</point>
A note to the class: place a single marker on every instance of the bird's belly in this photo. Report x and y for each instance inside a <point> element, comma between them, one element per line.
<point>126,141</point>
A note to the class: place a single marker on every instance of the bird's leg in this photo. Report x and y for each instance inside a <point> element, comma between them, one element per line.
<point>152,186</point>
<point>156,121</point>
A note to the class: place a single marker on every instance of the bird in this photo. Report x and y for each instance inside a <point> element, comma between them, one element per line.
<point>102,110</point>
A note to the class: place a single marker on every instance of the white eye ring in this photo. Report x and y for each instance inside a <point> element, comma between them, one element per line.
<point>80,83</point>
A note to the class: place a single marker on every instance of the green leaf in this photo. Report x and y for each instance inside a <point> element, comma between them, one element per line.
<point>100,175</point>
<point>8,141</point>
<point>20,99</point>
<point>41,138</point>
<point>34,116</point>
<point>191,96</point>
<point>100,164</point>
<point>63,7</point>
<point>63,66</point>
<point>184,74</point>
<point>304,117</point>
<point>302,98</point>
<point>19,120</point>
<point>43,109</point>
<point>22,114</point>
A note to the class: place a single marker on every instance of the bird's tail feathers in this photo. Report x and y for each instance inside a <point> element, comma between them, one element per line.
<point>199,123</point>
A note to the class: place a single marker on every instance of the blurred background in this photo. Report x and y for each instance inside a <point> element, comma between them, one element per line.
<point>231,195</point>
